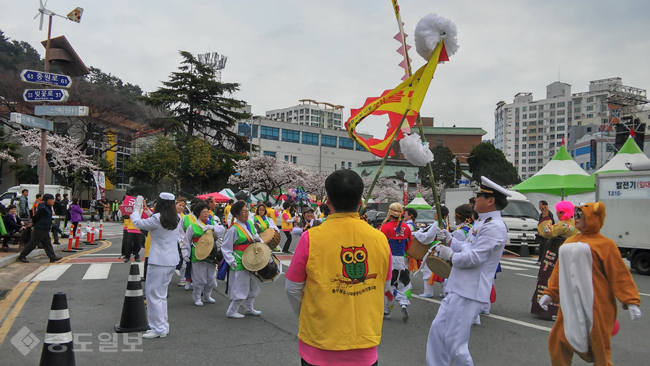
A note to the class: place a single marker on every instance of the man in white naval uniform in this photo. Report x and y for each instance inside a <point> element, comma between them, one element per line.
<point>474,262</point>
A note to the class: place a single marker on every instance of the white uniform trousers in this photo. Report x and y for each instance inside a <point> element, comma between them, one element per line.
<point>398,289</point>
<point>426,274</point>
<point>204,278</point>
<point>156,284</point>
<point>449,333</point>
<point>244,286</point>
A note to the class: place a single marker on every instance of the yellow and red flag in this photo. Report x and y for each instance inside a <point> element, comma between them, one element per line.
<point>403,101</point>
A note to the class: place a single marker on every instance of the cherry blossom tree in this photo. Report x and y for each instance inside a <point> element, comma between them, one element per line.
<point>63,156</point>
<point>5,157</point>
<point>266,174</point>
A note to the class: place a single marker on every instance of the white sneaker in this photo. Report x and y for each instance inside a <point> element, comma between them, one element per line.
<point>150,334</point>
<point>182,283</point>
<point>405,314</point>
<point>198,303</point>
<point>386,315</point>
<point>187,285</point>
<point>234,315</point>
<point>209,300</point>
<point>485,311</point>
<point>253,312</point>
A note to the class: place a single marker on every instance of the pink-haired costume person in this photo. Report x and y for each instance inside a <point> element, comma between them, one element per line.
<point>556,235</point>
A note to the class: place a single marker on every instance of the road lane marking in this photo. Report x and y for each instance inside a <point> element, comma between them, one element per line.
<point>503,266</point>
<point>9,321</point>
<point>519,264</point>
<point>97,271</point>
<point>642,294</point>
<point>525,275</point>
<point>51,273</point>
<point>503,318</point>
<point>5,304</point>
<point>105,245</point>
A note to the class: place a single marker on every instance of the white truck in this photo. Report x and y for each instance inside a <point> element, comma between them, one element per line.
<point>627,202</point>
<point>12,194</point>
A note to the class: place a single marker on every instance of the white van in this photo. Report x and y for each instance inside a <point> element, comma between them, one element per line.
<point>521,217</point>
<point>13,193</point>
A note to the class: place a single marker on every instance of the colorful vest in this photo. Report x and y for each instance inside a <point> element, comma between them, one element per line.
<point>188,220</point>
<point>263,222</point>
<point>198,233</point>
<point>271,213</point>
<point>286,226</point>
<point>344,290</point>
<point>241,242</point>
<point>398,234</point>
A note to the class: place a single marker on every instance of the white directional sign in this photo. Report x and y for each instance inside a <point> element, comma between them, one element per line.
<point>60,110</point>
<point>31,121</point>
<point>45,95</point>
<point>40,77</point>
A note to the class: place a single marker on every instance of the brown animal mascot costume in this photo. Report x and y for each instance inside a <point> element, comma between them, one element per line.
<point>588,278</point>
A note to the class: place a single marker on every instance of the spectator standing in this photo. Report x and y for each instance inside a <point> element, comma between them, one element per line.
<point>76,214</point>
<point>42,222</point>
<point>57,205</point>
<point>114,209</point>
<point>64,207</point>
<point>23,204</point>
<point>92,209</point>
<point>37,202</point>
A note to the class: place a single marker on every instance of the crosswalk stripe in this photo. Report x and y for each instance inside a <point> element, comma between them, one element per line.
<point>519,264</point>
<point>97,271</point>
<point>51,273</point>
<point>503,266</point>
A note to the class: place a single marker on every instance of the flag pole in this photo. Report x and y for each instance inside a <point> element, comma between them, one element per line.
<point>362,210</point>
<point>418,120</point>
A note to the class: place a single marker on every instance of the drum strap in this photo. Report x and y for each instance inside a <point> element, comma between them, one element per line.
<point>250,240</point>
<point>263,224</point>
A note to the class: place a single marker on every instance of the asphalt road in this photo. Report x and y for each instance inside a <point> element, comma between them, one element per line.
<point>203,335</point>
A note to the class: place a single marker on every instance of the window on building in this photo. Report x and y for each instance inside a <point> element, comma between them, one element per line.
<point>560,120</point>
<point>576,110</point>
<point>590,99</point>
<point>551,129</point>
<point>523,138</point>
<point>327,140</point>
<point>516,155</point>
<point>532,108</point>
<point>590,115</point>
<point>517,124</point>
<point>286,158</point>
<point>560,112</point>
<point>290,135</point>
<point>523,124</point>
<point>559,136</point>
<point>349,165</point>
<point>270,133</point>
<point>540,161</point>
<point>294,159</point>
<point>360,148</point>
<point>532,138</point>
<point>314,118</point>
<point>551,144</point>
<point>315,112</point>
<point>609,147</point>
<point>309,138</point>
<point>523,109</point>
<point>532,123</point>
<point>346,143</point>
<point>532,115</point>
<point>523,168</point>
<point>523,153</point>
<point>289,113</point>
<point>516,162</point>
<point>302,118</point>
<point>524,116</point>
<point>531,146</point>
<point>590,108</point>
<point>244,129</point>
<point>582,165</point>
<point>531,169</point>
<point>532,153</point>
<point>540,145</point>
<point>560,104</point>
<point>560,128</point>
<point>531,161</point>
<point>270,153</point>
<point>343,165</point>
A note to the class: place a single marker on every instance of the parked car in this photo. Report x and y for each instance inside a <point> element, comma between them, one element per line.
<point>520,217</point>
<point>375,218</point>
<point>425,218</point>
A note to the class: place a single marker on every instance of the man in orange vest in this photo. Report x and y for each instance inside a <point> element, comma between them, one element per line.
<point>340,271</point>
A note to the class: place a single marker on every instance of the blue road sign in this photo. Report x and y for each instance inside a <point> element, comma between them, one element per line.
<point>45,95</point>
<point>463,182</point>
<point>40,77</point>
<point>60,110</point>
<point>31,121</point>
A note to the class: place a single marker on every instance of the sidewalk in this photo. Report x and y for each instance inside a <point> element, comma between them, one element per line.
<point>6,258</point>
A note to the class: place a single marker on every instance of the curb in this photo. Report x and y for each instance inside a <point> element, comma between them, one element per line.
<point>5,261</point>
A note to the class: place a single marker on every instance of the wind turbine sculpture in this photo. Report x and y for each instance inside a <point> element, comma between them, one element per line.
<point>74,15</point>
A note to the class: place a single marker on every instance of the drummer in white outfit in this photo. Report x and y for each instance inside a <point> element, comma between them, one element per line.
<point>474,263</point>
<point>163,258</point>
<point>244,287</point>
<point>204,272</point>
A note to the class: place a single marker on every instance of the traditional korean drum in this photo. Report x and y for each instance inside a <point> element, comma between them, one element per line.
<point>271,237</point>
<point>258,259</point>
<point>439,266</point>
<point>417,249</point>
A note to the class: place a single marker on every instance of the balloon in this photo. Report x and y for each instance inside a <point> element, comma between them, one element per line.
<point>617,327</point>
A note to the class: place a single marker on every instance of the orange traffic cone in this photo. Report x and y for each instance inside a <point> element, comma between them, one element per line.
<point>101,230</point>
<point>134,314</point>
<point>58,343</point>
<point>70,239</point>
<point>91,236</point>
<point>76,239</point>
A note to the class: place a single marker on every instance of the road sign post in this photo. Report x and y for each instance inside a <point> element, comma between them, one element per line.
<point>46,95</point>
<point>31,121</point>
<point>61,110</point>
<point>45,78</point>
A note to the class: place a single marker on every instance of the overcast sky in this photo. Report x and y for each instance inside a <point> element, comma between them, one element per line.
<point>342,51</point>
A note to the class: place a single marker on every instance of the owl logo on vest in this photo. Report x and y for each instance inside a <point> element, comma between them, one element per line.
<point>355,263</point>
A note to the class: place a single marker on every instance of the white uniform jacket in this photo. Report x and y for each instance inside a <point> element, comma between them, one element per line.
<point>164,243</point>
<point>475,260</point>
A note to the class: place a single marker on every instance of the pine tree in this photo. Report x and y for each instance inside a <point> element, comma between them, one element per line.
<point>486,160</point>
<point>200,105</point>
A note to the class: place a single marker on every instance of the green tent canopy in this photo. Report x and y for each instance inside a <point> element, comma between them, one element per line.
<point>560,177</point>
<point>419,203</point>
<point>629,153</point>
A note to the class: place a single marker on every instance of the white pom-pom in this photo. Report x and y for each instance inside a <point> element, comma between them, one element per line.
<point>428,33</point>
<point>416,152</point>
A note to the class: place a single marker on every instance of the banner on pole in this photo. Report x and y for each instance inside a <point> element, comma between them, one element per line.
<point>100,183</point>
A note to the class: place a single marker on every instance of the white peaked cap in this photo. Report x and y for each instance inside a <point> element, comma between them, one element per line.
<point>167,196</point>
<point>489,187</point>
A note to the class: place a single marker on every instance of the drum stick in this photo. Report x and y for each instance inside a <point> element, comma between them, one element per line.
<point>511,252</point>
